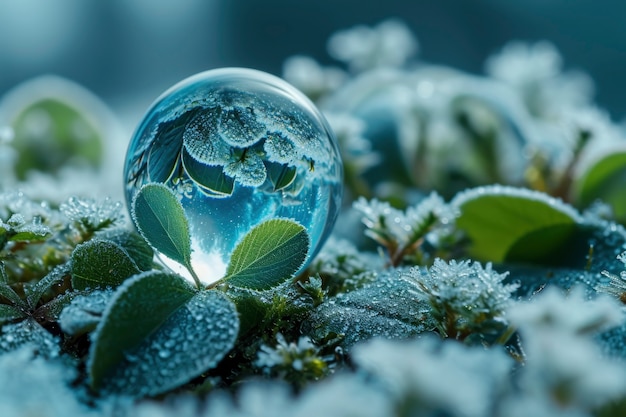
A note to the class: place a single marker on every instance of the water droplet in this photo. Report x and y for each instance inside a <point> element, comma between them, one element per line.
<point>237,147</point>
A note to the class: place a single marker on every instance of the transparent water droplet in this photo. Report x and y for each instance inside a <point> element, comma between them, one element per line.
<point>237,147</point>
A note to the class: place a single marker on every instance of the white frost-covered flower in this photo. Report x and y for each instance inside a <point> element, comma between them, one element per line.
<point>535,71</point>
<point>430,375</point>
<point>308,76</point>
<point>563,363</point>
<point>389,44</point>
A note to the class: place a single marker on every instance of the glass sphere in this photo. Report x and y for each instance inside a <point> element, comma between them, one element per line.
<point>237,147</point>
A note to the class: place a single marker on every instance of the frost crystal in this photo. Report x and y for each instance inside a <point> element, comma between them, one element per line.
<point>617,283</point>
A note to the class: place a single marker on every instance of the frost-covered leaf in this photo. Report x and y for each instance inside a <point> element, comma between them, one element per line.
<point>386,307</point>
<point>135,246</point>
<point>592,249</point>
<point>280,149</point>
<point>100,264</point>
<point>161,220</point>
<point>268,255</point>
<point>238,126</point>
<point>91,213</point>
<point>158,333</point>
<point>139,307</point>
<point>10,295</point>
<point>511,224</point>
<point>28,332</point>
<point>83,313</point>
<point>9,313</point>
<point>249,170</point>
<point>54,277</point>
<point>605,180</point>
<point>209,177</point>
<point>203,143</point>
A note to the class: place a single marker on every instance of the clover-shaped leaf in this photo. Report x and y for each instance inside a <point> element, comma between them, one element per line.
<point>268,255</point>
<point>158,333</point>
<point>161,220</point>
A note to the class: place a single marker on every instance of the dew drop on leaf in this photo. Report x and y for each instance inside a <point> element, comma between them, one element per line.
<point>243,147</point>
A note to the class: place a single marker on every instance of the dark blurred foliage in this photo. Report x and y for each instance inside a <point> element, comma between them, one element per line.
<point>131,51</point>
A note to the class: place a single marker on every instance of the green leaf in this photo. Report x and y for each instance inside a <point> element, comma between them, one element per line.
<point>161,220</point>
<point>280,175</point>
<point>383,308</point>
<point>137,309</point>
<point>164,156</point>
<point>268,255</point>
<point>100,264</point>
<point>84,312</point>
<point>210,178</point>
<point>9,313</point>
<point>70,124</point>
<point>511,224</point>
<point>36,291</point>
<point>604,180</point>
<point>158,333</point>
<point>135,245</point>
<point>28,236</point>
<point>10,295</point>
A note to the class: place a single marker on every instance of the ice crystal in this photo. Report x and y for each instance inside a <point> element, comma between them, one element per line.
<point>617,284</point>
<point>389,44</point>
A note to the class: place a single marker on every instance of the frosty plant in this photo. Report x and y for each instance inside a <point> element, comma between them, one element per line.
<point>158,318</point>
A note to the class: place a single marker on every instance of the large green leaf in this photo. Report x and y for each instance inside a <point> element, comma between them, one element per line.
<point>268,255</point>
<point>161,220</point>
<point>604,180</point>
<point>515,225</point>
<point>100,264</point>
<point>158,333</point>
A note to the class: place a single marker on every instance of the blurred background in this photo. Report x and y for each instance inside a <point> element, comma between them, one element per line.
<point>129,51</point>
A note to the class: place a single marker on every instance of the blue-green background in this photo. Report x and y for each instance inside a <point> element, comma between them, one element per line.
<point>128,51</point>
